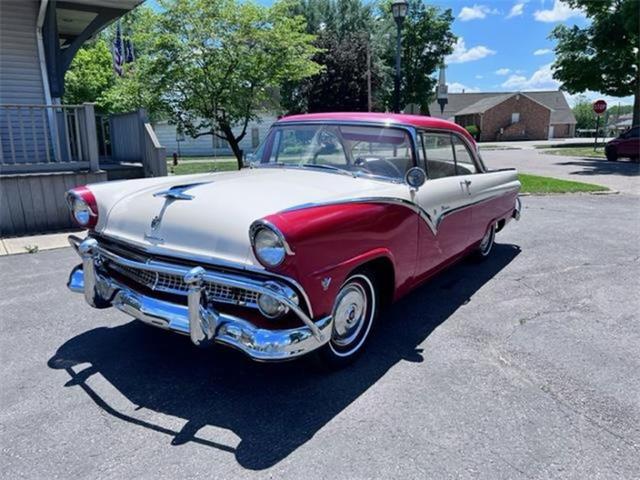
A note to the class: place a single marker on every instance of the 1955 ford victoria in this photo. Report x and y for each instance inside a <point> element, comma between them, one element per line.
<point>337,215</point>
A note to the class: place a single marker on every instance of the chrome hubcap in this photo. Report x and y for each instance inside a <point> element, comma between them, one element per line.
<point>349,314</point>
<point>487,240</point>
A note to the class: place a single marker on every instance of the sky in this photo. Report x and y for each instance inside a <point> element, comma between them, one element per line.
<point>503,45</point>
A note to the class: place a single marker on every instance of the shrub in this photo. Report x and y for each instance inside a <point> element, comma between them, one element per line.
<point>473,130</point>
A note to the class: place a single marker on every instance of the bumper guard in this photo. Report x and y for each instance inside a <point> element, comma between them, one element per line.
<point>198,319</point>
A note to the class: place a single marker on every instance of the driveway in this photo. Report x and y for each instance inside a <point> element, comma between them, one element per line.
<point>623,176</point>
<point>525,366</point>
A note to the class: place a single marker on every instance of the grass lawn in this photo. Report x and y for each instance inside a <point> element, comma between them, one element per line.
<point>535,184</point>
<point>530,183</point>
<point>187,168</point>
<point>210,158</point>
<point>575,152</point>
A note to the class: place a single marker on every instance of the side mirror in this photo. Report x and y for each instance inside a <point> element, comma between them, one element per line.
<point>415,177</point>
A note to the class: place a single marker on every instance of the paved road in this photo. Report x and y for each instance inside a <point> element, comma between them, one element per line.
<point>525,366</point>
<point>623,176</point>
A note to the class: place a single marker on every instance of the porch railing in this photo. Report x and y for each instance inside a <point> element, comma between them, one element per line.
<point>37,138</point>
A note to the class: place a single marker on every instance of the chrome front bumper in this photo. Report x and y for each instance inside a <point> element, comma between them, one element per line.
<point>198,319</point>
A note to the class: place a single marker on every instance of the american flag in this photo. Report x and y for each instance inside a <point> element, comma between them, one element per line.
<point>117,51</point>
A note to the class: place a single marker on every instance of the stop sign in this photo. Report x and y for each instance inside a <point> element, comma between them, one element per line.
<point>599,106</point>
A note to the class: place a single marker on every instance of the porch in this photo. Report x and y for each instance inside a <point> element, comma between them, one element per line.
<point>48,149</point>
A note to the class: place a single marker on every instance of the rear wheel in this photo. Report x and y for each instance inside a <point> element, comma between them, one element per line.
<point>354,312</point>
<point>611,154</point>
<point>486,244</point>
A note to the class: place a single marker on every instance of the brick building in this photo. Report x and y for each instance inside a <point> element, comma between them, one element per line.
<point>511,115</point>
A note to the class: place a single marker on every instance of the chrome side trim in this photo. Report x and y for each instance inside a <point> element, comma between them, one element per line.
<point>433,222</point>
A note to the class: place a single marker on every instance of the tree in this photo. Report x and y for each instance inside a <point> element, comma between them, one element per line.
<point>218,62</point>
<point>583,111</point>
<point>426,39</point>
<point>347,52</point>
<point>603,56</point>
<point>91,77</point>
<point>90,73</point>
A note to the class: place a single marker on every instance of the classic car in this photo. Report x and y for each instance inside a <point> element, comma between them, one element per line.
<point>337,215</point>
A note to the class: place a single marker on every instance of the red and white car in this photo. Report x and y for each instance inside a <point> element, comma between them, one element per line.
<point>338,215</point>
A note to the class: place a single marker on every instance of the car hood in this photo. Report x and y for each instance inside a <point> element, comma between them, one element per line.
<point>212,221</point>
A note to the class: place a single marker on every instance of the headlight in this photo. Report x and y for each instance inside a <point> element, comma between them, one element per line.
<point>81,211</point>
<point>83,207</point>
<point>268,245</point>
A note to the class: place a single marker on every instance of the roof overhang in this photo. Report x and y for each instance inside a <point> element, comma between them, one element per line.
<point>68,24</point>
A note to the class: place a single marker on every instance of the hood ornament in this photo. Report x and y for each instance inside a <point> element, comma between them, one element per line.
<point>177,192</point>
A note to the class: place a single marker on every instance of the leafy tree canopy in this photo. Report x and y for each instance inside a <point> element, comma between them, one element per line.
<point>218,62</point>
<point>603,56</point>
<point>426,39</point>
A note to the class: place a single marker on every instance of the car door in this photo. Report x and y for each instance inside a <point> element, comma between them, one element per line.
<point>630,146</point>
<point>444,201</point>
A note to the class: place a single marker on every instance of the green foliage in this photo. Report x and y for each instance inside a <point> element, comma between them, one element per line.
<point>583,111</point>
<point>603,56</point>
<point>426,39</point>
<point>90,74</point>
<point>218,62</point>
<point>343,38</point>
<point>473,130</point>
<point>345,30</point>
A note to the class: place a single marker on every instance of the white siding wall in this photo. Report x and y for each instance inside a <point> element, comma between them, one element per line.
<point>203,146</point>
<point>20,79</point>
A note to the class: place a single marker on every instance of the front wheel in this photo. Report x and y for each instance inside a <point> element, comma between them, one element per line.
<point>354,312</point>
<point>611,154</point>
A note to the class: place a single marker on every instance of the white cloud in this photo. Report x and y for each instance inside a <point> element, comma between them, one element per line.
<point>479,77</point>
<point>516,10</point>
<point>462,55</point>
<point>593,96</point>
<point>503,71</point>
<point>456,87</point>
<point>542,79</point>
<point>559,13</point>
<point>475,12</point>
<point>542,51</point>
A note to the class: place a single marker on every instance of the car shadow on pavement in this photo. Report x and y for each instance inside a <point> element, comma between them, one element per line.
<point>589,166</point>
<point>273,408</point>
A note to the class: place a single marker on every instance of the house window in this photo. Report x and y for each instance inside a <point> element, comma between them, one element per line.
<point>255,137</point>
<point>515,117</point>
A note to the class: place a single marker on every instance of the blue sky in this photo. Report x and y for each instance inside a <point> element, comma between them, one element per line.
<point>503,45</point>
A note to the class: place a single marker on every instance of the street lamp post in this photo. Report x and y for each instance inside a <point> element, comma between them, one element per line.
<point>399,10</point>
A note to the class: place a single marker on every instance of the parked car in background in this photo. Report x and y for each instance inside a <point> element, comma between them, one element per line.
<point>338,215</point>
<point>626,145</point>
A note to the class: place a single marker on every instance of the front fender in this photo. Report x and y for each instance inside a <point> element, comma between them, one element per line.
<point>330,241</point>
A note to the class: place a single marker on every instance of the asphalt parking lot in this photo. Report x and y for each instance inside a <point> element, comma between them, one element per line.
<point>525,366</point>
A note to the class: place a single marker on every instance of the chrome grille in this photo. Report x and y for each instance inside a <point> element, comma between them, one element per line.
<point>163,282</point>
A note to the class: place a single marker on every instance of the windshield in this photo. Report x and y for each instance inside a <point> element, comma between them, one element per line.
<point>351,149</point>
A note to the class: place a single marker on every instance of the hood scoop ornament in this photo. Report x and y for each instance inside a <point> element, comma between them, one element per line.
<point>177,191</point>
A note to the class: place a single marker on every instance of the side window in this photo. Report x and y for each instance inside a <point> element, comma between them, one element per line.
<point>634,133</point>
<point>439,155</point>
<point>464,160</point>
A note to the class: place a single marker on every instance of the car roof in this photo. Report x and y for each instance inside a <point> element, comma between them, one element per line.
<point>418,121</point>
